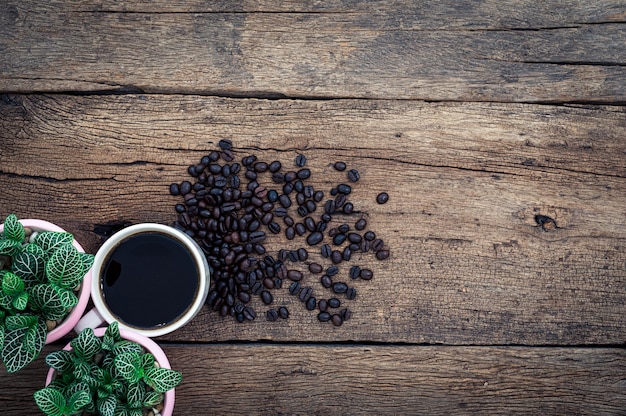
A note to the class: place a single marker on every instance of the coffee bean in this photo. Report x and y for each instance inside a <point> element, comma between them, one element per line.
<point>382,254</point>
<point>266,297</point>
<point>272,196</point>
<point>370,236</point>
<point>322,305</point>
<point>340,166</point>
<point>340,287</point>
<point>339,239</point>
<point>333,191</point>
<point>257,237</point>
<point>225,144</point>
<point>336,256</point>
<point>293,256</point>
<point>326,281</point>
<point>353,175</point>
<point>278,283</point>
<point>315,268</point>
<point>302,254</point>
<point>180,208</point>
<point>227,155</point>
<point>273,227</point>
<point>348,208</point>
<point>300,160</point>
<point>303,173</point>
<point>185,187</point>
<point>366,274</point>
<point>326,251</point>
<point>323,316</point>
<point>311,206</point>
<point>251,175</point>
<point>326,218</point>
<point>340,200</point>
<point>321,226</point>
<point>290,176</point>
<point>347,253</point>
<point>268,282</point>
<point>240,317</point>
<point>337,320</point>
<point>377,244</point>
<point>311,303</point>
<point>332,271</point>
<point>314,238</point>
<point>302,211</point>
<point>329,206</point>
<point>294,275</point>
<point>278,177</point>
<point>267,218</point>
<point>283,312</point>
<point>267,207</point>
<point>275,166</point>
<point>211,298</point>
<point>260,167</point>
<point>344,189</point>
<point>300,228</point>
<point>382,198</point>
<point>271,315</point>
<point>345,314</point>
<point>351,293</point>
<point>334,303</point>
<point>288,188</point>
<point>305,294</point>
<point>355,272</point>
<point>309,223</point>
<point>287,220</point>
<point>308,191</point>
<point>290,233</point>
<point>294,288</point>
<point>174,189</point>
<point>257,288</point>
<point>354,237</point>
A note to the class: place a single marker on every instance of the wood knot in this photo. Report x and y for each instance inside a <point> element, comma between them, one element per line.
<point>546,223</point>
<point>548,218</point>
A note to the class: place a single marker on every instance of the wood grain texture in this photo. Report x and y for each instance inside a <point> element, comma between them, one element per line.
<point>469,265</point>
<point>334,379</point>
<point>472,51</point>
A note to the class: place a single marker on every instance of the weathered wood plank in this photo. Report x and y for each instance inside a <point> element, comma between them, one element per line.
<point>483,52</point>
<point>470,264</point>
<point>288,379</point>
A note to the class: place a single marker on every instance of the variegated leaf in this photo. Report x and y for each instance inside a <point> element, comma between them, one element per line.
<point>45,299</point>
<point>13,229</point>
<point>152,398</point>
<point>127,346</point>
<point>135,412</point>
<point>51,240</point>
<point>147,361</point>
<point>106,406</point>
<point>20,321</point>
<point>20,301</point>
<point>81,369</point>
<point>128,366</point>
<point>78,401</point>
<point>2,329</point>
<point>86,344</point>
<point>162,379</point>
<point>36,250</point>
<point>60,360</point>
<point>30,267</point>
<point>12,285</point>
<point>50,401</point>
<point>67,296</point>
<point>122,411</point>
<point>135,395</point>
<point>65,267</point>
<point>15,354</point>
<point>87,260</point>
<point>5,301</point>
<point>9,247</point>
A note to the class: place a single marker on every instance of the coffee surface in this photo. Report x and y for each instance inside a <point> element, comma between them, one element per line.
<point>149,280</point>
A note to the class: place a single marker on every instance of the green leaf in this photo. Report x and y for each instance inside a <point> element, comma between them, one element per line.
<point>22,346</point>
<point>87,260</point>
<point>36,250</point>
<point>60,360</point>
<point>2,330</point>
<point>49,241</point>
<point>65,267</point>
<point>127,346</point>
<point>29,267</point>
<point>135,395</point>
<point>6,301</point>
<point>81,369</point>
<point>51,401</point>
<point>67,296</point>
<point>86,344</point>
<point>147,361</point>
<point>20,322</point>
<point>162,379</point>
<point>152,398</point>
<point>121,410</point>
<point>46,299</point>
<point>128,366</point>
<point>20,301</point>
<point>78,400</point>
<point>12,285</point>
<point>13,229</point>
<point>135,412</point>
<point>9,247</point>
<point>106,407</point>
<point>111,336</point>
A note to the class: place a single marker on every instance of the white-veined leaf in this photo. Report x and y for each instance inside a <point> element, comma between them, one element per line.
<point>14,229</point>
<point>20,321</point>
<point>50,401</point>
<point>106,407</point>
<point>121,410</point>
<point>60,360</point>
<point>2,336</point>
<point>87,260</point>
<point>162,379</point>
<point>78,400</point>
<point>20,301</point>
<point>152,398</point>
<point>36,250</point>
<point>9,247</point>
<point>45,299</point>
<point>135,395</point>
<point>147,361</point>
<point>67,296</point>
<point>126,346</point>
<point>12,285</point>
<point>128,366</point>
<point>135,412</point>
<point>30,267</point>
<point>86,344</point>
<point>16,354</point>
<point>5,301</point>
<point>49,241</point>
<point>65,267</point>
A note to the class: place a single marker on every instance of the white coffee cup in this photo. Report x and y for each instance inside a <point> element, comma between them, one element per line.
<point>102,314</point>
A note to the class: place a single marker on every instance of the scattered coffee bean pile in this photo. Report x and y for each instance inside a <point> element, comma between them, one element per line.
<point>229,211</point>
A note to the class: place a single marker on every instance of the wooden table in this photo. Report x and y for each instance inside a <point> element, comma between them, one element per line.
<point>497,128</point>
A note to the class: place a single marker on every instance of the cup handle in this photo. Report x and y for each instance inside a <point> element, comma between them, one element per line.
<point>92,319</point>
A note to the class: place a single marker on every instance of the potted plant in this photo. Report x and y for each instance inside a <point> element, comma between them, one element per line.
<point>109,372</point>
<point>44,287</point>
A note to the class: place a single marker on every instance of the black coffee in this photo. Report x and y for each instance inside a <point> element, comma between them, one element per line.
<point>149,280</point>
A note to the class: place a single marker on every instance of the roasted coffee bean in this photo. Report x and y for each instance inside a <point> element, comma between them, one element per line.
<point>322,305</point>
<point>302,211</point>
<point>345,314</point>
<point>294,288</point>
<point>326,218</point>
<point>355,272</point>
<point>295,275</point>
<point>340,287</point>
<point>326,251</point>
<point>340,199</point>
<point>257,288</point>
<point>244,297</point>
<point>284,200</point>
<point>260,167</point>
<point>278,177</point>
<point>382,254</point>
<point>290,176</point>
<point>323,316</point>
<point>377,244</point>
<point>180,208</point>
<point>329,207</point>
<point>268,283</point>
<point>318,196</point>
<point>336,320</point>
<point>275,166</point>
<point>253,226</point>
<point>311,206</point>
<point>283,312</point>
<point>348,208</point>
<point>366,274</point>
<point>257,237</point>
<point>287,188</point>
<point>234,181</point>
<point>267,218</point>
<point>259,249</point>
<point>212,297</point>
<point>305,294</point>
<point>240,318</point>
<point>271,315</point>
<point>214,155</point>
<point>300,160</point>
<point>303,254</point>
<point>300,198</point>
<point>251,175</point>
<point>382,198</point>
<point>333,191</point>
<point>340,166</point>
<point>287,220</point>
<point>315,268</point>
<point>351,293</point>
<point>225,144</point>
<point>370,236</point>
<point>293,255</point>
<point>226,170</point>
<point>280,212</point>
<point>303,173</point>
<point>261,192</point>
<point>282,255</point>
<point>308,191</point>
<point>347,253</point>
<point>273,227</point>
<point>272,196</point>
<point>339,239</point>
<point>332,271</point>
<point>266,297</point>
<point>290,233</point>
<point>321,226</point>
<point>249,313</point>
<point>228,155</point>
<point>267,207</point>
<point>309,223</point>
<point>235,168</point>
<point>300,228</point>
<point>353,175</point>
<point>344,189</point>
<point>224,310</point>
<point>174,189</point>
<point>326,281</point>
<point>336,256</point>
<point>311,303</point>
<point>185,187</point>
<point>334,303</point>
<point>314,238</point>
<point>354,237</point>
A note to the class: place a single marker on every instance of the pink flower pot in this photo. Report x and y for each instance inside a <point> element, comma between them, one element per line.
<point>151,347</point>
<point>70,320</point>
